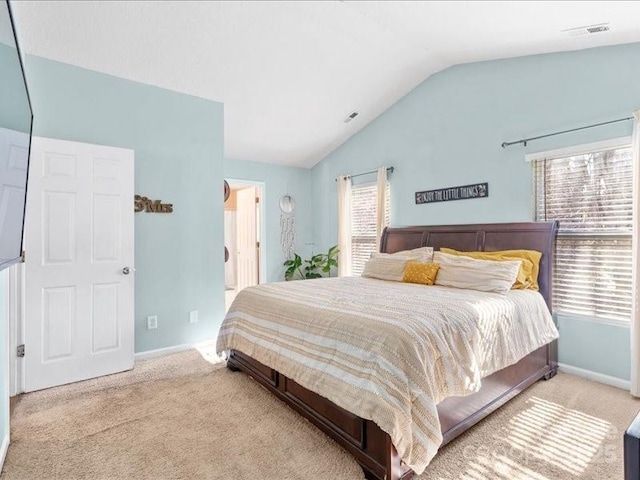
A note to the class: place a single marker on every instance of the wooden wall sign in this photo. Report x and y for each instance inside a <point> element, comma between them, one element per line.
<point>144,204</point>
<point>477,190</point>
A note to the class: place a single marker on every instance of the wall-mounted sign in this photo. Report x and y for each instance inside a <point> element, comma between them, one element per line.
<point>144,204</point>
<point>477,190</point>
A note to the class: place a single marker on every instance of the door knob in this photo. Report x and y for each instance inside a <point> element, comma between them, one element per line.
<point>126,270</point>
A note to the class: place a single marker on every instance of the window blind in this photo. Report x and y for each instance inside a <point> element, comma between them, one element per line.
<point>364,200</point>
<point>591,196</point>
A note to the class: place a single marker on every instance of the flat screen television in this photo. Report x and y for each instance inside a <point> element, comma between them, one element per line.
<point>16,121</point>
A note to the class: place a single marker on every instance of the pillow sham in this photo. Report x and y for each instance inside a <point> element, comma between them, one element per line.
<point>524,279</point>
<point>420,272</point>
<point>386,266</point>
<point>528,274</point>
<point>424,254</point>
<point>470,273</point>
<point>390,266</point>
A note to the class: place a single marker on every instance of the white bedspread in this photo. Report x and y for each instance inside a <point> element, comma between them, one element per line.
<point>387,351</point>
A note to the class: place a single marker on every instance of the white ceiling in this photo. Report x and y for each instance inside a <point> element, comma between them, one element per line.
<point>289,72</point>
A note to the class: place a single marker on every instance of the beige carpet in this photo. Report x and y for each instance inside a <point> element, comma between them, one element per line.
<point>181,417</point>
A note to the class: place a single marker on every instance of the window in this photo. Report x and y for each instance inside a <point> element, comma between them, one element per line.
<point>591,195</point>
<point>364,202</point>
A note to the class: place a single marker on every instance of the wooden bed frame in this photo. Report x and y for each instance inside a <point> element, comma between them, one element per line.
<point>371,447</point>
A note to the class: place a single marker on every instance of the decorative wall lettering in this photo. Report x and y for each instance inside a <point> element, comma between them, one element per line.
<point>477,190</point>
<point>144,204</point>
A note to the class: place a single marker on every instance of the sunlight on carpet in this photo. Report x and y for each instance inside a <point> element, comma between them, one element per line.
<point>207,351</point>
<point>542,439</point>
<point>500,467</point>
<point>565,438</point>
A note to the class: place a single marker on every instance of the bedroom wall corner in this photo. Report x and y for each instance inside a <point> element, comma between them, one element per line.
<point>178,144</point>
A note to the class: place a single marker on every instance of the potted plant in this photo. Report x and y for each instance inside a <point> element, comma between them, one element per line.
<point>319,265</point>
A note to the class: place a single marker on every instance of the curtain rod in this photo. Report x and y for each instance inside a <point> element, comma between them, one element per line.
<point>525,140</point>
<point>389,170</point>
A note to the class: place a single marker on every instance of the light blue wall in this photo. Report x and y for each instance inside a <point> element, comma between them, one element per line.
<point>448,132</point>
<point>594,346</point>
<point>178,143</point>
<point>279,180</point>
<point>14,104</point>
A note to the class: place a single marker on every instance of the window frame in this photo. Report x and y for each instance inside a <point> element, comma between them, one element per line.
<point>563,152</point>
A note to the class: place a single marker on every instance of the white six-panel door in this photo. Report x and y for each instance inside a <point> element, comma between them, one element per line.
<point>79,241</point>
<point>246,238</point>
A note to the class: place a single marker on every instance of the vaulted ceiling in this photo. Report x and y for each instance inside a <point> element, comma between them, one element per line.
<point>289,72</point>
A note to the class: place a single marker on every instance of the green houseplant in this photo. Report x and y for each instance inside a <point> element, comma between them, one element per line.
<point>314,267</point>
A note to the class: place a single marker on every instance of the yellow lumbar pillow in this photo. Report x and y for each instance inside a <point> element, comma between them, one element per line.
<point>529,269</point>
<point>419,272</point>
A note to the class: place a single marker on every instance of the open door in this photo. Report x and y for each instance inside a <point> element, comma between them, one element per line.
<point>79,251</point>
<point>247,235</point>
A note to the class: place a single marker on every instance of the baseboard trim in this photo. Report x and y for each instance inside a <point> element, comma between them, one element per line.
<point>161,352</point>
<point>3,450</point>
<point>595,376</point>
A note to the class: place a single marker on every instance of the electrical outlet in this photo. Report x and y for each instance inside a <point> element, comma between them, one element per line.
<point>152,322</point>
<point>193,316</point>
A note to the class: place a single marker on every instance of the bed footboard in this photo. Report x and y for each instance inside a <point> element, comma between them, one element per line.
<point>363,439</point>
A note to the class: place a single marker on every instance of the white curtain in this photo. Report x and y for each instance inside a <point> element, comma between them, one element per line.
<point>381,222</point>
<point>344,226</point>
<point>635,318</point>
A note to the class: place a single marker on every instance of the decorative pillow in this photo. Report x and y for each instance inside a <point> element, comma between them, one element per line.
<point>419,272</point>
<point>483,275</point>
<point>528,274</point>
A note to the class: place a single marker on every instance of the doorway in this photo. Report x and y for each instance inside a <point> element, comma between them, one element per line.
<point>243,227</point>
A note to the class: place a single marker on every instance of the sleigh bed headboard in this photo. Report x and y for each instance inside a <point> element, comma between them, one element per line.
<point>488,237</point>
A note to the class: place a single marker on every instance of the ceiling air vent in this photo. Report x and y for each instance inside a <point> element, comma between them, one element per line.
<point>350,117</point>
<point>587,30</point>
<point>598,29</point>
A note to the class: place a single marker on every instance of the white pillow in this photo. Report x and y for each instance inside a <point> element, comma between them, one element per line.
<point>390,266</point>
<point>385,266</point>
<point>422,254</point>
<point>470,273</point>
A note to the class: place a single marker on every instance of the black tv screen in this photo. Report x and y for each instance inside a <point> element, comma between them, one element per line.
<point>15,140</point>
